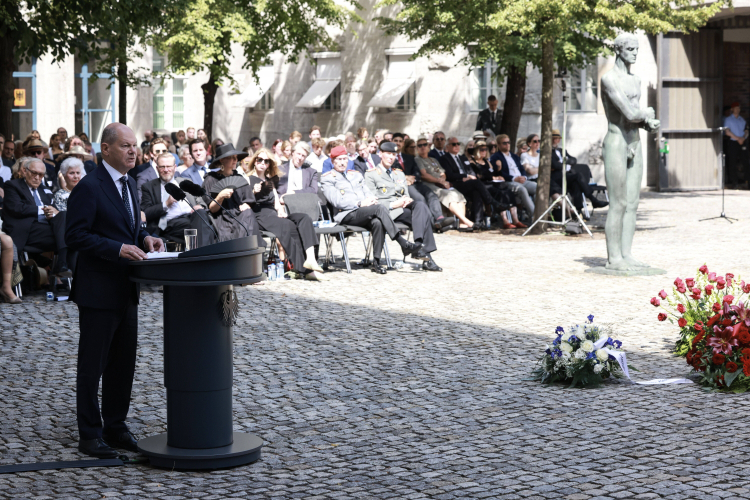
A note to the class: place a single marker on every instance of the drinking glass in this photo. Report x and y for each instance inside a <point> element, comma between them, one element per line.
<point>191,239</point>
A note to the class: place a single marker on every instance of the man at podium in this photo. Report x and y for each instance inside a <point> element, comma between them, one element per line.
<point>103,225</point>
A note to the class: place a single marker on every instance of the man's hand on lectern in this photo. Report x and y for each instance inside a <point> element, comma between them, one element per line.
<point>153,244</point>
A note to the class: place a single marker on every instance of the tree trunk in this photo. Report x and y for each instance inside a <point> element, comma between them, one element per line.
<point>122,103</point>
<point>7,66</point>
<point>209,95</point>
<point>513,107</point>
<point>541,199</point>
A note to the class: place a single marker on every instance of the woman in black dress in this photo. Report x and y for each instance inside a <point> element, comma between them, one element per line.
<point>226,157</point>
<point>294,231</point>
<point>495,184</point>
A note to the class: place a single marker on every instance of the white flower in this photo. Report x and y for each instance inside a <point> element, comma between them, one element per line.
<point>598,369</point>
<point>580,354</point>
<point>566,336</point>
<point>566,348</point>
<point>602,355</point>
<point>579,332</point>
<point>587,346</point>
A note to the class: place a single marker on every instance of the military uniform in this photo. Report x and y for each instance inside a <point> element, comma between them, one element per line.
<point>389,186</point>
<point>345,192</point>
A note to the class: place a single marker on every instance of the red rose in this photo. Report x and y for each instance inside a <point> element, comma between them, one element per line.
<point>709,289</point>
<point>662,316</point>
<point>681,308</point>
<point>681,289</point>
<point>682,322</point>
<point>698,338</point>
<point>698,326</point>
<point>728,299</point>
<point>697,291</point>
<point>690,282</point>
<point>720,285</point>
<point>729,282</point>
<point>746,288</point>
<point>712,321</point>
<point>716,307</point>
<point>732,367</point>
<point>746,354</point>
<point>655,302</point>
<point>663,294</point>
<point>703,269</point>
<point>712,277</point>
<point>746,367</point>
<point>696,296</point>
<point>689,357</point>
<point>678,282</point>
<point>744,339</point>
<point>730,276</point>
<point>718,359</point>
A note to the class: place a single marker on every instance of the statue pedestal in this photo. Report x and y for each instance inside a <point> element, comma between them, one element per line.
<point>643,271</point>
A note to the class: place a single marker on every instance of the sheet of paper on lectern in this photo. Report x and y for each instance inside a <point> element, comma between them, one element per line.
<point>162,255</point>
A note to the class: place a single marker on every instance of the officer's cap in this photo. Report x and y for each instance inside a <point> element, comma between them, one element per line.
<point>389,147</point>
<point>338,151</point>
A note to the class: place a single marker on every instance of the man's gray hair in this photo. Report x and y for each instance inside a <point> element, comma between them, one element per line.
<point>69,163</point>
<point>303,146</point>
<point>109,136</point>
<point>624,38</point>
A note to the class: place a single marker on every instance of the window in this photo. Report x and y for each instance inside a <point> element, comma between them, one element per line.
<point>24,100</point>
<point>95,101</point>
<point>398,90</point>
<point>169,98</point>
<point>483,84</point>
<point>333,101</point>
<point>583,89</point>
<point>409,100</point>
<point>266,102</point>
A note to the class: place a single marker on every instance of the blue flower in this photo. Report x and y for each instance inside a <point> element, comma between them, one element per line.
<point>617,344</point>
<point>559,329</point>
<point>610,341</point>
<point>590,355</point>
<point>612,358</point>
<point>572,339</point>
<point>590,317</point>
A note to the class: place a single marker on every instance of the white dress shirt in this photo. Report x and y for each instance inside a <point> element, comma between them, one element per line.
<point>295,179</point>
<point>512,167</point>
<point>177,209</point>
<point>117,178</point>
<point>458,162</point>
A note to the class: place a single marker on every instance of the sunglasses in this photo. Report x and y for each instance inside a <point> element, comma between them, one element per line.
<point>423,145</point>
<point>439,138</point>
<point>267,161</point>
<point>482,149</point>
<point>454,144</point>
<point>505,142</point>
<point>535,140</point>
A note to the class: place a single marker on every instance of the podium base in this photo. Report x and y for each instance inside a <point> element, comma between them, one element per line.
<point>244,450</point>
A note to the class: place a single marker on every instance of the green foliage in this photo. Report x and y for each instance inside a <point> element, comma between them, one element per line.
<point>511,31</point>
<point>203,36</point>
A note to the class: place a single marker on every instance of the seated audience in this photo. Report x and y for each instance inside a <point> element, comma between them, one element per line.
<point>8,156</point>
<point>71,172</point>
<point>354,204</point>
<point>148,172</point>
<point>530,158</point>
<point>462,178</point>
<point>295,232</point>
<point>6,268</point>
<point>317,156</point>
<point>294,138</point>
<point>362,134</point>
<point>255,144</point>
<point>314,134</point>
<point>198,171</point>
<point>31,220</point>
<point>390,187</point>
<point>438,143</point>
<point>576,184</point>
<point>419,191</point>
<point>186,160</point>
<point>79,153</point>
<point>295,176</point>
<point>54,147</point>
<point>521,147</point>
<point>328,163</point>
<point>496,185</point>
<point>365,160</point>
<point>165,216</point>
<point>228,229</point>
<point>373,145</point>
<point>514,174</point>
<point>433,177</point>
<point>245,166</point>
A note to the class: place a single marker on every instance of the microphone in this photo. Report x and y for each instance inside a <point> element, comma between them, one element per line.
<point>190,187</point>
<point>179,195</point>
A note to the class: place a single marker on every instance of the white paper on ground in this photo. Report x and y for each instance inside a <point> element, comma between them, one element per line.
<point>162,255</point>
<point>622,360</point>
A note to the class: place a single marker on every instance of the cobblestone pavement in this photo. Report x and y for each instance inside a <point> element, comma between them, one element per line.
<point>410,385</point>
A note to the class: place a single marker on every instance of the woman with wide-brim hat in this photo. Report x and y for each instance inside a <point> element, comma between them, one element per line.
<point>225,159</point>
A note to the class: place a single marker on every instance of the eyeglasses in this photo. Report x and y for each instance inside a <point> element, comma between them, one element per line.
<point>505,142</point>
<point>454,144</point>
<point>439,139</point>
<point>267,161</point>
<point>35,174</point>
<point>164,167</point>
<point>423,145</point>
<point>535,140</point>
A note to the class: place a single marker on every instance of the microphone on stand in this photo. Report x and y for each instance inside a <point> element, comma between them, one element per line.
<point>179,195</point>
<point>190,187</point>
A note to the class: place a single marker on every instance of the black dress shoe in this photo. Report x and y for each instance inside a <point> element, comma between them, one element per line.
<point>377,268</point>
<point>124,440</point>
<point>420,253</point>
<point>430,265</point>
<point>596,203</point>
<point>446,221</point>
<point>96,448</point>
<point>410,248</point>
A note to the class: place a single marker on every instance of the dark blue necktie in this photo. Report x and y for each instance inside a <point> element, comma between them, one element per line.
<point>126,199</point>
<point>40,217</point>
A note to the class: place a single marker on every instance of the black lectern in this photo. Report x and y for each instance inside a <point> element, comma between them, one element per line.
<point>198,319</point>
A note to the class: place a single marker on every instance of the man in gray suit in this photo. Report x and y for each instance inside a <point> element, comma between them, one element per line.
<point>355,205</point>
<point>390,187</point>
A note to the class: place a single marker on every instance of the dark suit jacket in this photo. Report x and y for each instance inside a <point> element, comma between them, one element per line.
<point>505,169</point>
<point>146,175</point>
<point>434,153</point>
<point>484,120</point>
<point>97,227</point>
<point>153,207</point>
<point>452,173</point>
<point>410,166</point>
<point>20,211</point>
<point>360,165</point>
<point>309,181</point>
<point>557,164</point>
